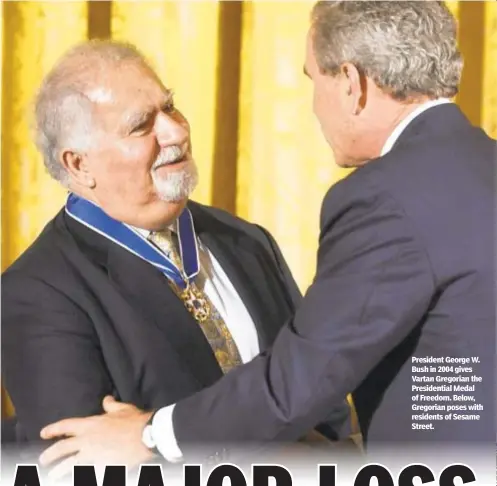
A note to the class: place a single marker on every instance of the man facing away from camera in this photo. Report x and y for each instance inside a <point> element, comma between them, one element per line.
<point>132,290</point>
<point>405,271</point>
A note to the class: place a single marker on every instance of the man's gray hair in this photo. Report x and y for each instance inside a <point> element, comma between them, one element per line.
<point>408,48</point>
<point>63,110</point>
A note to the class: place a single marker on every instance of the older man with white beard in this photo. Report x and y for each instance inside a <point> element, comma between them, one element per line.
<point>132,290</point>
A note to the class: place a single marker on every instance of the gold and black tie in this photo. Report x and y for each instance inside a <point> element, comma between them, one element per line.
<point>200,307</point>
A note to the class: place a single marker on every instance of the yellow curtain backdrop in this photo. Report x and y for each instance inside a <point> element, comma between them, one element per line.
<point>236,70</point>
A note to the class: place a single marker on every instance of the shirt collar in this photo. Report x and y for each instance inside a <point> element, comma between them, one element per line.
<point>146,233</point>
<point>408,119</point>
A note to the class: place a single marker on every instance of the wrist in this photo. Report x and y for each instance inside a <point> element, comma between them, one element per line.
<point>148,438</point>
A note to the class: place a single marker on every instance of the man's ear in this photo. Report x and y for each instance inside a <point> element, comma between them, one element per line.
<point>355,84</point>
<point>76,166</point>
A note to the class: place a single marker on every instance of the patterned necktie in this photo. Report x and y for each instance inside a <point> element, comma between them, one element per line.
<point>199,305</point>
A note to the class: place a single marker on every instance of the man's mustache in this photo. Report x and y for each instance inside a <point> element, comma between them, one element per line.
<point>168,155</point>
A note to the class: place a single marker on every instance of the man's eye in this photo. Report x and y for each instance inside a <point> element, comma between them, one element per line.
<point>142,127</point>
<point>169,107</point>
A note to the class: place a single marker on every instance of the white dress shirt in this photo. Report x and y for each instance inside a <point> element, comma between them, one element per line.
<point>162,426</point>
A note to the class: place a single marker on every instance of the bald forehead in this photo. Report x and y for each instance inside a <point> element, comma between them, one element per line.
<point>95,55</point>
<point>129,79</point>
<point>127,96</point>
<point>85,69</point>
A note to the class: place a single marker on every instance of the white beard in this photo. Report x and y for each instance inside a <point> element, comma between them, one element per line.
<point>176,185</point>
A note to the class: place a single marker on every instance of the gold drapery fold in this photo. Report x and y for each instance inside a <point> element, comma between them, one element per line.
<point>489,70</point>
<point>35,35</point>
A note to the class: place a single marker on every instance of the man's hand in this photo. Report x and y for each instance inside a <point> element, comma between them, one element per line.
<point>111,438</point>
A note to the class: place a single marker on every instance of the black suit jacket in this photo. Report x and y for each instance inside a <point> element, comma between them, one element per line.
<point>405,269</point>
<point>82,318</point>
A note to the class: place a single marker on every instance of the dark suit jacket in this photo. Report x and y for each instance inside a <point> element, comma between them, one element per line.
<point>82,318</point>
<point>405,269</point>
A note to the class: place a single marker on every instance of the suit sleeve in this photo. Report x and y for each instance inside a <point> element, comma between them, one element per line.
<point>373,286</point>
<point>337,423</point>
<point>51,360</point>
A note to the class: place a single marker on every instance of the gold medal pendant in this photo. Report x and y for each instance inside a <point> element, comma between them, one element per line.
<point>196,303</point>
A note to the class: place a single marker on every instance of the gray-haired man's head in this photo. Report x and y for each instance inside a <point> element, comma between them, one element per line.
<point>108,129</point>
<point>405,50</point>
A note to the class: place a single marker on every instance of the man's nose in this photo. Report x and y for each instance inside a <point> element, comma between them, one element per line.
<point>170,130</point>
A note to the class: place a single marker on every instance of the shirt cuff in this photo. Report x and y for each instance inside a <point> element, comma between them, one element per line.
<point>163,434</point>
